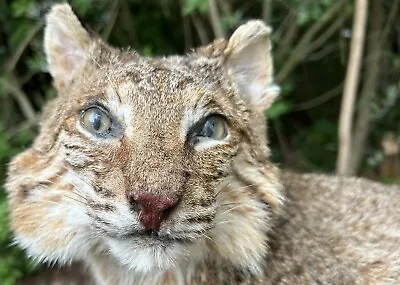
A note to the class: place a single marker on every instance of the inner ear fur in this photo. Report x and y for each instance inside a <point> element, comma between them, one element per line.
<point>66,44</point>
<point>248,60</point>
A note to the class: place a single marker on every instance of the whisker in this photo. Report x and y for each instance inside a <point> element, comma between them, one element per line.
<point>88,182</point>
<point>49,181</point>
<point>233,208</point>
<point>225,222</point>
<point>45,201</point>
<point>210,239</point>
<point>75,199</point>
<point>79,195</point>
<point>245,203</point>
<point>76,192</point>
<point>227,189</point>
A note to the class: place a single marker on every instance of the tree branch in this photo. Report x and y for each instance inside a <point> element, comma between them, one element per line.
<point>318,55</point>
<point>110,24</point>
<point>301,48</point>
<point>10,65</point>
<point>215,19</point>
<point>200,29</point>
<point>318,100</point>
<point>287,22</point>
<point>350,86</point>
<point>287,38</point>
<point>368,91</point>
<point>391,17</point>
<point>267,10</point>
<point>327,34</point>
<point>19,95</point>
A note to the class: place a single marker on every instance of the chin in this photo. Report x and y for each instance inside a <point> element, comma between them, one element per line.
<point>147,255</point>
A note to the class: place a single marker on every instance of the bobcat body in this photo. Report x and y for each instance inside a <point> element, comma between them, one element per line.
<point>156,171</point>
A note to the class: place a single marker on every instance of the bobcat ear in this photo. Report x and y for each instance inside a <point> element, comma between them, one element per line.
<point>66,44</point>
<point>248,60</point>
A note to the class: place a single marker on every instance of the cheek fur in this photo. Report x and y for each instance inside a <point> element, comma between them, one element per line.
<point>48,215</point>
<point>54,231</point>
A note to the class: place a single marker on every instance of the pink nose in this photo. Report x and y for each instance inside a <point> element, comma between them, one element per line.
<point>153,208</point>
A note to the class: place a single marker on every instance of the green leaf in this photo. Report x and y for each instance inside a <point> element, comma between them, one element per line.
<point>193,5</point>
<point>278,109</point>
<point>21,8</point>
<point>36,64</point>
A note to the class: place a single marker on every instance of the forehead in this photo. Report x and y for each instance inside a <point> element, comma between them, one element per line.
<point>156,83</point>
<point>171,84</point>
<point>151,93</point>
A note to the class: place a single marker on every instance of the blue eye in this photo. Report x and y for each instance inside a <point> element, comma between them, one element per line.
<point>215,127</point>
<point>96,121</point>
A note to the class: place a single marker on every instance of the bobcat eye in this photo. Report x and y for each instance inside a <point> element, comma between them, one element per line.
<point>215,127</point>
<point>96,121</point>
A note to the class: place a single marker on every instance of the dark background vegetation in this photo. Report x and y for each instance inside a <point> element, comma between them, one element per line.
<point>311,50</point>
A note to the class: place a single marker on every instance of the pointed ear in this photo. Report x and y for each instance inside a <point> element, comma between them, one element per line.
<point>66,44</point>
<point>249,62</point>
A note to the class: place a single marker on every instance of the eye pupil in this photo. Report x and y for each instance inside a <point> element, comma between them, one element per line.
<point>214,127</point>
<point>95,120</point>
<point>209,128</point>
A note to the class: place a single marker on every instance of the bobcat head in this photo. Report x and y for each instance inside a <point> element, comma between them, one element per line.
<point>153,162</point>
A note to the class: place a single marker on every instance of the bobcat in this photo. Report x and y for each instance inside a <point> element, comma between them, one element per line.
<point>157,171</point>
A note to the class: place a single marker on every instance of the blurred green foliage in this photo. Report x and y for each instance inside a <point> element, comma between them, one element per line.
<point>303,122</point>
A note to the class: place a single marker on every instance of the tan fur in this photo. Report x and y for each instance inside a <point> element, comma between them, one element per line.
<point>234,223</point>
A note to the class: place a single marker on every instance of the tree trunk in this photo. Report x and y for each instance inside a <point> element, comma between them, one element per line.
<point>369,89</point>
<point>350,86</point>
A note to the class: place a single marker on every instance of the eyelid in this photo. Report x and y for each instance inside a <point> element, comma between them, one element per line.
<point>97,104</point>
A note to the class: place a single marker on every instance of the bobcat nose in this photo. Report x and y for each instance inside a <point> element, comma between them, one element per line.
<point>152,208</point>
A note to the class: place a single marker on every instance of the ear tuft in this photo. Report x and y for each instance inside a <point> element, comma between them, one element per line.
<point>66,43</point>
<point>249,61</point>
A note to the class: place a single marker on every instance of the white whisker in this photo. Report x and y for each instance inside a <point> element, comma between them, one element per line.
<point>227,189</point>
<point>225,222</point>
<point>210,239</point>
<point>236,207</point>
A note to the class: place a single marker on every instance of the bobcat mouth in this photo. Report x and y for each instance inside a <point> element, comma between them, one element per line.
<point>153,237</point>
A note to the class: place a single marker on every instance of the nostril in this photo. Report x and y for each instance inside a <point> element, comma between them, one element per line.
<point>134,205</point>
<point>152,208</point>
<point>152,202</point>
<point>168,211</point>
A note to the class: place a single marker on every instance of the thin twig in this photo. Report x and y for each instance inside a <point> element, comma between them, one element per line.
<point>389,23</point>
<point>285,34</point>
<point>301,48</point>
<point>10,65</point>
<point>267,10</point>
<point>110,24</point>
<point>226,7</point>
<point>318,55</point>
<point>215,19</point>
<point>19,95</point>
<point>327,34</point>
<point>187,32</point>
<point>368,92</point>
<point>200,28</point>
<point>318,100</point>
<point>289,18</point>
<point>15,130</point>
